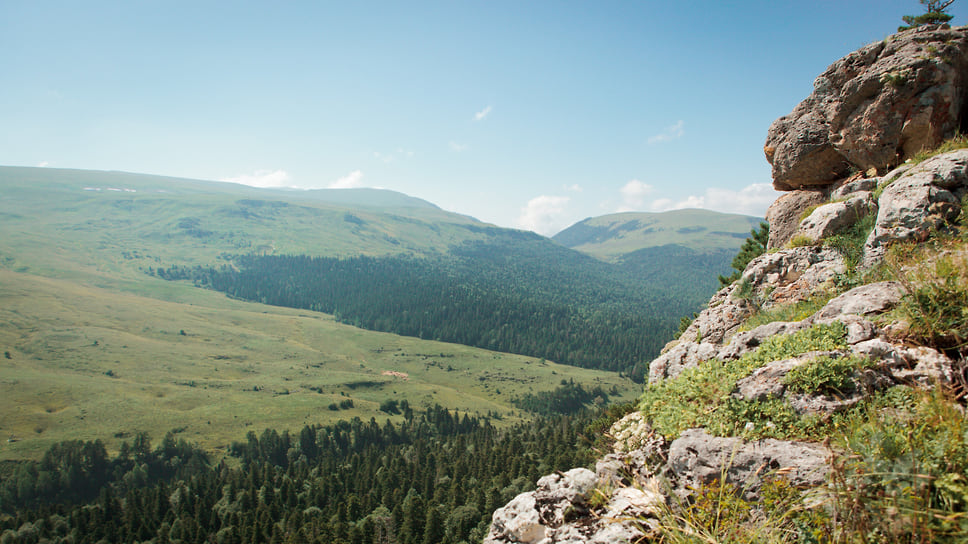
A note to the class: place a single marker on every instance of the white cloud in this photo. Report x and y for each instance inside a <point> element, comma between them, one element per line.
<point>544,214</point>
<point>671,132</point>
<point>262,178</point>
<point>574,188</point>
<point>349,181</point>
<point>42,164</point>
<point>479,116</point>
<point>457,148</point>
<point>751,200</point>
<point>633,195</point>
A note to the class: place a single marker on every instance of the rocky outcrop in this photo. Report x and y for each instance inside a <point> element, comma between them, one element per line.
<point>870,110</point>
<point>699,458</point>
<point>579,506</point>
<point>873,108</point>
<point>918,200</point>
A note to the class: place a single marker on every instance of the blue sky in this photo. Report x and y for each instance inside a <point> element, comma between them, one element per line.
<point>527,114</point>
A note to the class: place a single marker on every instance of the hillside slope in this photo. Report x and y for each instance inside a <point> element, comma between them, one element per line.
<point>610,237</point>
<point>96,348</point>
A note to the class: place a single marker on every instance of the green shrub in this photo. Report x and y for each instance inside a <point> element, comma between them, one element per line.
<point>718,512</point>
<point>936,304</point>
<point>825,375</point>
<point>903,476</point>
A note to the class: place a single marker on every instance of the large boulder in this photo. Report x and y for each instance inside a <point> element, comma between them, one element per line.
<point>873,109</point>
<point>785,213</point>
<point>919,200</point>
<point>698,458</point>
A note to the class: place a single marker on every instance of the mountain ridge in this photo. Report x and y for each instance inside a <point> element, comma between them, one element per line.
<point>611,236</point>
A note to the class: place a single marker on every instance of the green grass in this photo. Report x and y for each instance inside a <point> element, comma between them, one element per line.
<point>701,396</point>
<point>92,347</point>
<point>89,363</point>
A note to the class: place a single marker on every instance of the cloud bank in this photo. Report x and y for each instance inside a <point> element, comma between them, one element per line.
<point>633,195</point>
<point>544,214</point>
<point>262,178</point>
<point>751,200</point>
<point>349,181</point>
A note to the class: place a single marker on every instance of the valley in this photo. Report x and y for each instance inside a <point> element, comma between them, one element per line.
<point>97,346</point>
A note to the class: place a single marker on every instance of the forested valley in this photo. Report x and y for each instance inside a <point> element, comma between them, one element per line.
<point>430,477</point>
<point>515,293</point>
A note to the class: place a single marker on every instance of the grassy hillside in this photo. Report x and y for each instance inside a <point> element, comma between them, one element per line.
<point>93,347</point>
<point>83,362</point>
<point>119,222</point>
<point>609,237</point>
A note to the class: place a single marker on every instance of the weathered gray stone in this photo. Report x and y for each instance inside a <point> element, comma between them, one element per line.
<point>682,356</point>
<point>766,382</point>
<point>722,316</point>
<point>698,458</point>
<point>923,199</point>
<point>791,275</point>
<point>784,215</point>
<point>747,341</point>
<point>853,187</point>
<point>865,300</point>
<point>926,367</point>
<point>873,108</point>
<point>834,217</point>
<point>517,521</point>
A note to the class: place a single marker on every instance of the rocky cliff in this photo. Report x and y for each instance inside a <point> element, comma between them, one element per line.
<point>772,408</point>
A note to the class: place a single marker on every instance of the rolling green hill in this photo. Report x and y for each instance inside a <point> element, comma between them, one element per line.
<point>96,348</point>
<point>610,237</point>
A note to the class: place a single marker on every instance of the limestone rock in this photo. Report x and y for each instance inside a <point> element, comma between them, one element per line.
<point>873,108</point>
<point>923,198</point>
<point>517,521</point>
<point>791,275</point>
<point>559,511</point>
<point>928,367</point>
<point>698,458</point>
<point>766,382</point>
<point>870,299</point>
<point>556,492</point>
<point>724,314</point>
<point>853,186</point>
<point>784,215</point>
<point>747,341</point>
<point>682,356</point>
<point>834,217</point>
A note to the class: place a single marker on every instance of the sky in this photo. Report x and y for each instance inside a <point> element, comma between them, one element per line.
<point>529,114</point>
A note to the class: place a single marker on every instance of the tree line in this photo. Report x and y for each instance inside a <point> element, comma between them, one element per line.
<point>430,477</point>
<point>515,295</point>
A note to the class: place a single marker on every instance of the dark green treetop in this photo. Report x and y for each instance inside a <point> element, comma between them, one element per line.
<point>934,14</point>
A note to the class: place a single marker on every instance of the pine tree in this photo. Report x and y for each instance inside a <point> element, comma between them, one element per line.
<point>934,14</point>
